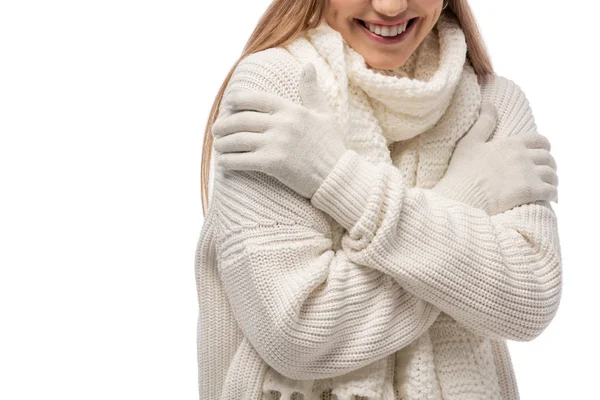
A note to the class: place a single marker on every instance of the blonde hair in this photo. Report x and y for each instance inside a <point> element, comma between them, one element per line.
<point>285,20</point>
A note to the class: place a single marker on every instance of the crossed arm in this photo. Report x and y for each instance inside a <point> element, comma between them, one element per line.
<point>408,254</point>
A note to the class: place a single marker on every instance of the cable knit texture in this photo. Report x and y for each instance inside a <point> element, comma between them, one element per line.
<point>376,287</point>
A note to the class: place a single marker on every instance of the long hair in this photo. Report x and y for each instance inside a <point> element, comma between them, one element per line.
<point>286,20</point>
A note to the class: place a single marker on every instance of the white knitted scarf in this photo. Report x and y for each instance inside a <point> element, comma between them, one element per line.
<point>410,117</point>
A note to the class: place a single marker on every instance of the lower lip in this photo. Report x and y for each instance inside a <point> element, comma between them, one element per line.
<point>387,39</point>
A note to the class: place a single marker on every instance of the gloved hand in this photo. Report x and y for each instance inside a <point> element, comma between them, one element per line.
<point>297,144</point>
<point>500,174</point>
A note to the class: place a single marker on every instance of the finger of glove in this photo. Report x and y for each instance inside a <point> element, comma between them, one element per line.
<point>249,100</point>
<point>535,140</point>
<point>548,192</point>
<point>238,142</point>
<point>547,174</point>
<point>247,121</point>
<point>482,129</point>
<point>310,92</point>
<point>543,156</point>
<point>248,161</point>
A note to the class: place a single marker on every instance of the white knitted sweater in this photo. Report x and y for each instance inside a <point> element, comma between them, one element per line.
<point>287,304</point>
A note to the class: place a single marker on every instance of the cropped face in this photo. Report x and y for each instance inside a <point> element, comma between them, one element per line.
<point>384,32</point>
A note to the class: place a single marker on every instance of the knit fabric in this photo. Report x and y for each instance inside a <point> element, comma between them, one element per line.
<point>376,287</point>
<point>435,94</point>
<point>392,105</point>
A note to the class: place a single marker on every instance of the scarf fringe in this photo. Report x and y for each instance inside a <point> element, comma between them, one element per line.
<point>374,381</point>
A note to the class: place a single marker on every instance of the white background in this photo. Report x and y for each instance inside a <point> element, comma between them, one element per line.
<point>102,113</point>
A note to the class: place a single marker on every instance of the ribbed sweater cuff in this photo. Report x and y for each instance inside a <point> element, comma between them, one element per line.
<point>463,190</point>
<point>344,192</point>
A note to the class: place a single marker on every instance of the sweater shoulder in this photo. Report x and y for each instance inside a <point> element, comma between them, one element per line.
<point>273,70</point>
<point>514,109</point>
<point>250,198</point>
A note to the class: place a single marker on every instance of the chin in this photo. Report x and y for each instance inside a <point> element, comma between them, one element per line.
<point>382,63</point>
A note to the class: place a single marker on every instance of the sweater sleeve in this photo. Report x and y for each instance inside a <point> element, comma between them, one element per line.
<point>500,276</point>
<point>309,311</point>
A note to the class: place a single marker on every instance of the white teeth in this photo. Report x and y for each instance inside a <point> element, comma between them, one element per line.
<point>387,30</point>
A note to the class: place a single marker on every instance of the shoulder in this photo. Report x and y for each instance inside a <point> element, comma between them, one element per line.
<point>273,70</point>
<point>514,110</point>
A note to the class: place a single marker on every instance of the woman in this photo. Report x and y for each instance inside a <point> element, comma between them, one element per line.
<point>381,220</point>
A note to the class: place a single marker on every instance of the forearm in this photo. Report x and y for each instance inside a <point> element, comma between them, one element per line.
<point>308,310</point>
<point>500,276</point>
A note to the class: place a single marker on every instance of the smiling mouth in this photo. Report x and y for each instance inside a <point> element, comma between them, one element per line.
<point>387,33</point>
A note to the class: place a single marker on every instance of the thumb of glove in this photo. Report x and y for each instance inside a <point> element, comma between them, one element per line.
<point>310,92</point>
<point>482,129</point>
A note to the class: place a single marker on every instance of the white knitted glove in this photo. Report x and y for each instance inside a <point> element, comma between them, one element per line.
<point>502,173</point>
<point>298,144</point>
